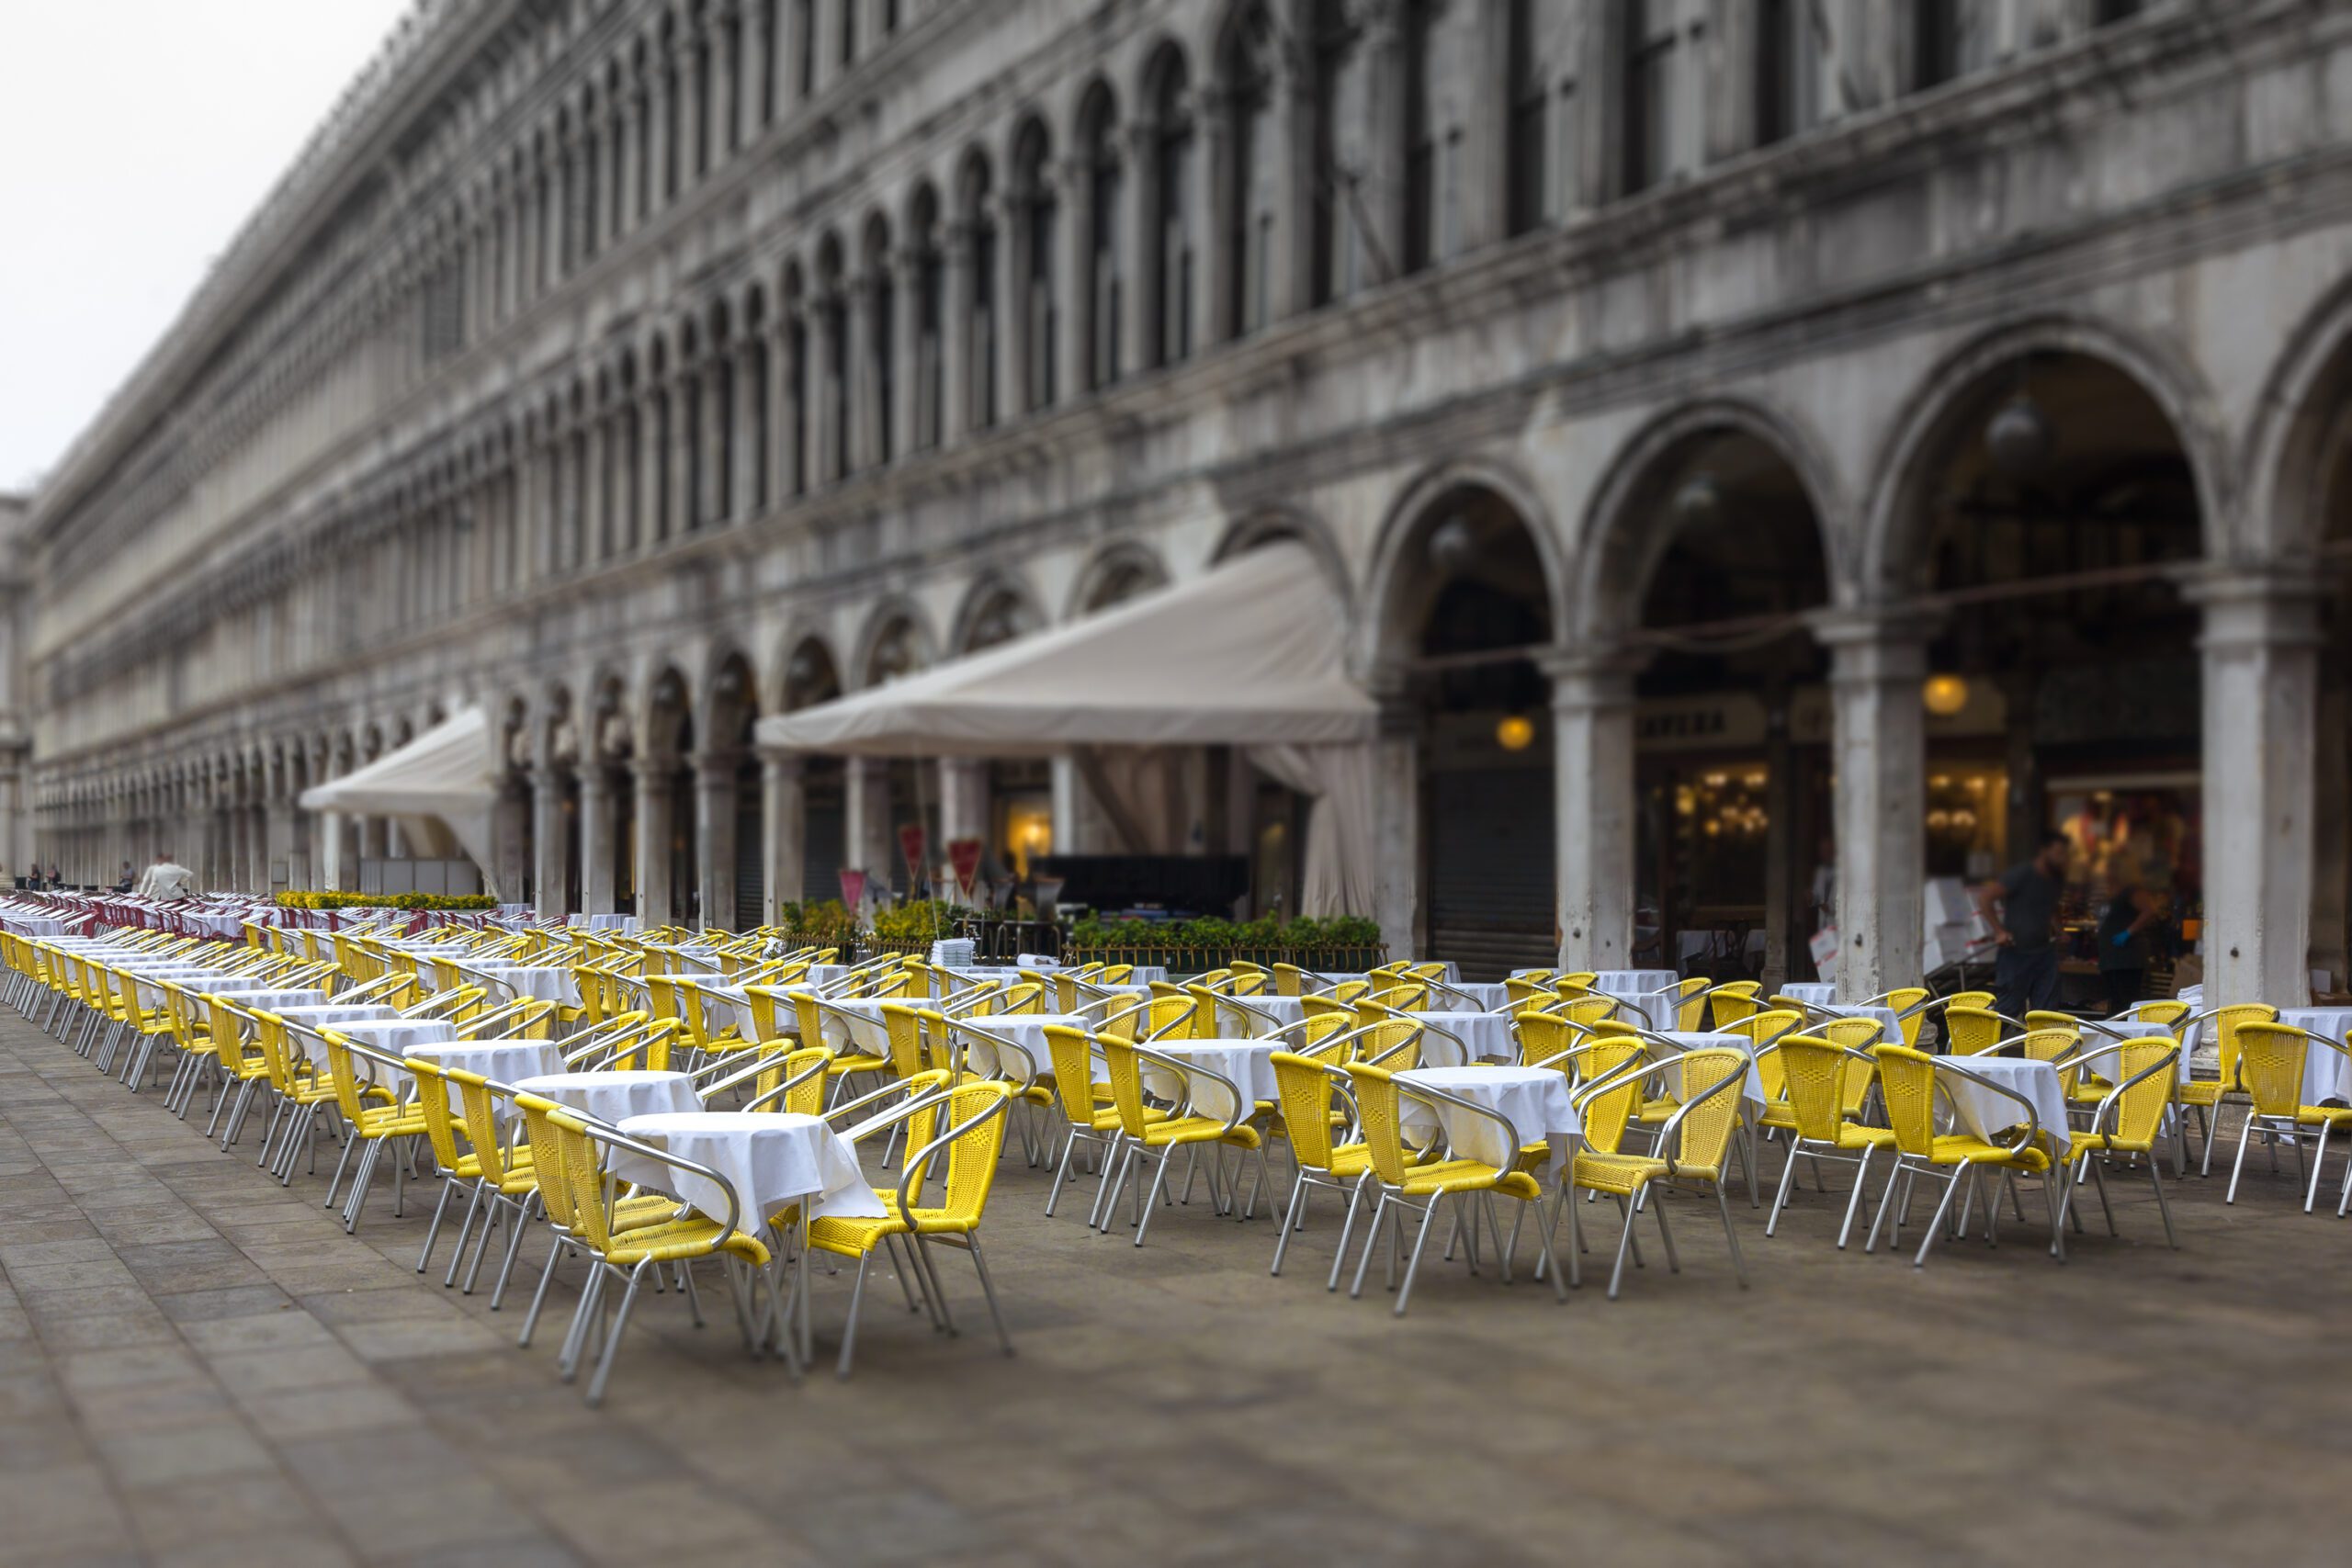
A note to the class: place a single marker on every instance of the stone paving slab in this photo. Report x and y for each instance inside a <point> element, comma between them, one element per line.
<point>199,1367</point>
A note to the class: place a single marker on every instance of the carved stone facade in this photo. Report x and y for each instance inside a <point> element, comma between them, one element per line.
<point>638,368</point>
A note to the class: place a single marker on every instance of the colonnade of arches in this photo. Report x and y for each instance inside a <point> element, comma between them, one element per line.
<point>1707,684</point>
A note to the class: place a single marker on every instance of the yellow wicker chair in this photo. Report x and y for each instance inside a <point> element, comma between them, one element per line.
<point>2129,1119</point>
<point>2207,1096</point>
<point>2270,1062</point>
<point>1408,1182</point>
<point>1690,1146</point>
<point>1817,1115</point>
<point>1909,1080</point>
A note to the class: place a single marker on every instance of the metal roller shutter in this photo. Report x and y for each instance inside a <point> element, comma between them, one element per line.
<point>1491,902</point>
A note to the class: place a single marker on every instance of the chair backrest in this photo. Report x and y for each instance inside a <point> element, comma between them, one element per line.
<point>1903,999</point>
<point>1907,1082</point>
<point>1290,980</point>
<point>1382,1119</point>
<point>2227,1021</point>
<point>1072,1052</point>
<point>1971,1032</point>
<point>1690,1003</point>
<point>2050,1017</point>
<point>1247,982</point>
<point>903,1023</point>
<point>975,1112</point>
<point>1326,1007</point>
<point>1125,1069</point>
<point>2051,1045</point>
<point>547,1156</point>
<point>1028,997</point>
<point>1208,1018</point>
<point>433,1099</point>
<point>1730,1004</point>
<point>1855,1034</point>
<point>2166,1012</point>
<point>1760,1029</point>
<point>1347,991</point>
<point>1606,1113</point>
<point>1710,1111</point>
<point>2139,1111</point>
<point>2270,1064</point>
<point>1965,999</point>
<point>790,1064</point>
<point>480,1113</point>
<point>1544,1035</point>
<point>1303,1085</point>
<point>1814,1069</point>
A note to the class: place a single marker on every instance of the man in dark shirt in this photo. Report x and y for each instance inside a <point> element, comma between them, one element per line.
<point>2025,972</point>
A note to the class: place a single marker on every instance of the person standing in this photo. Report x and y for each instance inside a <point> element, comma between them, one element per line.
<point>2025,971</point>
<point>2124,928</point>
<point>167,879</point>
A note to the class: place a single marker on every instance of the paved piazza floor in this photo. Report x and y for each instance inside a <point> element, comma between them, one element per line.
<point>197,1367</point>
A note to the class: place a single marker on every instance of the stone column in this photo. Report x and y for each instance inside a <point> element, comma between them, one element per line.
<point>657,139</point>
<point>349,837</point>
<point>629,156</point>
<point>549,843</point>
<point>823,446</point>
<point>1011,311</point>
<point>715,837</point>
<point>1592,738</point>
<point>653,902</point>
<point>759,60</point>
<point>906,348</point>
<point>784,826</point>
<point>720,140</point>
<point>859,392</point>
<point>1878,660</point>
<point>743,498</point>
<point>1397,817</point>
<point>868,830</point>
<point>1294,258</point>
<point>964,802</point>
<point>1075,283</point>
<point>2260,650</point>
<point>1139,232</point>
<point>509,830</point>
<point>1069,805</point>
<point>717,367</point>
<point>784,478</point>
<point>955,338</point>
<point>645,512</point>
<point>597,848</point>
<point>690,113</point>
<point>685,387</point>
<point>1380,136</point>
<point>1212,197</point>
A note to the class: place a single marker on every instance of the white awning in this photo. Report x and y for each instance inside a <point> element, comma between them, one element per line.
<point>1251,652</point>
<point>447,775</point>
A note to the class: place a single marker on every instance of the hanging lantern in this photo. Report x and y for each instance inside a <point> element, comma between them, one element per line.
<point>1515,732</point>
<point>1944,696</point>
<point>1453,545</point>
<point>1700,501</point>
<point>2017,437</point>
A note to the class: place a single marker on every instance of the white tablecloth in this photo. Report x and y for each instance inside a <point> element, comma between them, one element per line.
<point>254,998</point>
<point>1026,1031</point>
<point>2326,1073</point>
<point>603,922</point>
<point>1479,995</point>
<point>151,987</point>
<point>1249,1063</point>
<point>1633,987</point>
<point>1486,1034</point>
<point>544,983</point>
<point>1890,1028</point>
<point>1232,1020</point>
<point>862,1031</point>
<point>391,1036</point>
<point>772,1160</point>
<point>500,1061</point>
<point>1820,993</point>
<point>1752,1092</point>
<point>1535,1100</point>
<point>614,1098</point>
<point>1985,1114</point>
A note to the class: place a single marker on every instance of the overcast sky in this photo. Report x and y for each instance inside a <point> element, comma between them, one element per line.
<point>135,137</point>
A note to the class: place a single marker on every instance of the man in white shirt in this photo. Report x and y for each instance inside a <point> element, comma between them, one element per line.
<point>167,879</point>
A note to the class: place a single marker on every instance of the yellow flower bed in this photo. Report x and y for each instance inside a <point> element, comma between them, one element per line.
<point>299,901</point>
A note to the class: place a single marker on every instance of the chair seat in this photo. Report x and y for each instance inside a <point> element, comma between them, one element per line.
<point>1966,1149</point>
<point>391,1121</point>
<point>1468,1176</point>
<point>1198,1130</point>
<point>688,1239</point>
<point>1622,1175</point>
<point>840,1065</point>
<point>2209,1091</point>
